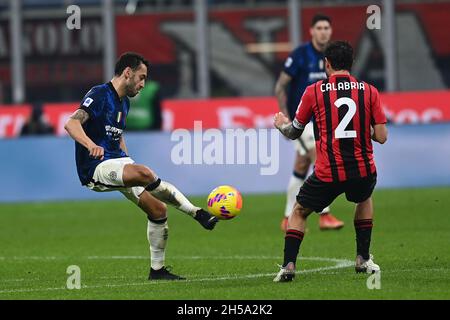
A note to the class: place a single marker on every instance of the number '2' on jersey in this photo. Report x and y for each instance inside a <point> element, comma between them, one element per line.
<point>342,109</point>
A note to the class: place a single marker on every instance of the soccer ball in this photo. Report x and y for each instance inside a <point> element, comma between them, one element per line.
<point>225,202</point>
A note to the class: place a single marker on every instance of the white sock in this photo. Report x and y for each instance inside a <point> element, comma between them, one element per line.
<point>169,194</point>
<point>326,210</point>
<point>157,234</point>
<point>293,188</point>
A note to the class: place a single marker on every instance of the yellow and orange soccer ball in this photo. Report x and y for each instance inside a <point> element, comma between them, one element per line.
<point>225,202</point>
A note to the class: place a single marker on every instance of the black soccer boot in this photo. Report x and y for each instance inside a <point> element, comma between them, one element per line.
<point>207,220</point>
<point>163,274</point>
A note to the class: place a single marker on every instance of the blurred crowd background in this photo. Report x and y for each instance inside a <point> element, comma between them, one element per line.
<point>203,49</point>
<point>217,62</point>
<point>245,45</point>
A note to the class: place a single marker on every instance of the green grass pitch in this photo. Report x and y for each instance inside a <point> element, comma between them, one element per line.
<point>107,240</point>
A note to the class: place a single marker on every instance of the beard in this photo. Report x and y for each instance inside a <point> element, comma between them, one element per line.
<point>131,91</point>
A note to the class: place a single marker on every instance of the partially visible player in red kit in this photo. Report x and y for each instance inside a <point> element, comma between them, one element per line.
<point>346,115</point>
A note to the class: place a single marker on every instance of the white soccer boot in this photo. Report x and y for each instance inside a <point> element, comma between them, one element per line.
<point>367,266</point>
<point>286,274</point>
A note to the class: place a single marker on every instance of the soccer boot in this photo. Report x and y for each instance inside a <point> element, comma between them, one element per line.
<point>207,220</point>
<point>286,274</point>
<point>329,222</point>
<point>163,274</point>
<point>366,266</point>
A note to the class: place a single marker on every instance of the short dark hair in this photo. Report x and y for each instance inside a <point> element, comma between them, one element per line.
<point>320,17</point>
<point>340,55</point>
<point>129,59</point>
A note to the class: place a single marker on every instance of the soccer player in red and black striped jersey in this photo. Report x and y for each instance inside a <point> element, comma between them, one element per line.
<point>346,115</point>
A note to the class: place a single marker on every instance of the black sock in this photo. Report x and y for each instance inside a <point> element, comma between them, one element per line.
<point>299,175</point>
<point>363,230</point>
<point>292,242</point>
<point>152,186</point>
<point>159,221</point>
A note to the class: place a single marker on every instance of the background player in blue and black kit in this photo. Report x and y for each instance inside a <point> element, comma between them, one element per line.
<point>103,163</point>
<point>304,66</point>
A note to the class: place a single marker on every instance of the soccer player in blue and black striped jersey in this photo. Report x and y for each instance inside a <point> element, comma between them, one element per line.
<point>103,163</point>
<point>304,66</point>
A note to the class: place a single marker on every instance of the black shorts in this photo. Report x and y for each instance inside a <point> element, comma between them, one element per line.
<point>317,195</point>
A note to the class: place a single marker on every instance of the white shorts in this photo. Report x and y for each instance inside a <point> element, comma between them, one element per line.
<point>108,177</point>
<point>307,141</point>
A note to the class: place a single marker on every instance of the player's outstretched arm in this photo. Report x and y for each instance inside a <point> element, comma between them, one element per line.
<point>74,128</point>
<point>282,123</point>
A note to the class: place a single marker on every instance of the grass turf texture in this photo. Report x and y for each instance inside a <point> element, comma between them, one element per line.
<point>39,241</point>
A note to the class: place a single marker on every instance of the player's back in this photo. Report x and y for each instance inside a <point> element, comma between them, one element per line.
<point>343,110</point>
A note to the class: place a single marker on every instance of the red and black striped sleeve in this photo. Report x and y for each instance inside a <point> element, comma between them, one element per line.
<point>377,113</point>
<point>304,109</point>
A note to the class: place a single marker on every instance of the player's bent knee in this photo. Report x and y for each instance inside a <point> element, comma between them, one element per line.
<point>137,175</point>
<point>161,209</point>
<point>146,175</point>
<point>154,208</point>
<point>364,203</point>
<point>157,212</point>
<point>302,163</point>
<point>300,211</point>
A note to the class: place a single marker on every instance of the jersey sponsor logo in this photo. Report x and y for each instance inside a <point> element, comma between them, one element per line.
<point>288,62</point>
<point>88,102</point>
<point>113,132</point>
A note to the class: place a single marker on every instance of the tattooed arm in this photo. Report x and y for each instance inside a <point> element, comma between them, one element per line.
<point>74,127</point>
<point>286,127</point>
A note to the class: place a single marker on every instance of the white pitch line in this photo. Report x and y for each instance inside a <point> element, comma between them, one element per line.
<point>340,264</point>
<point>235,257</point>
<point>32,258</point>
